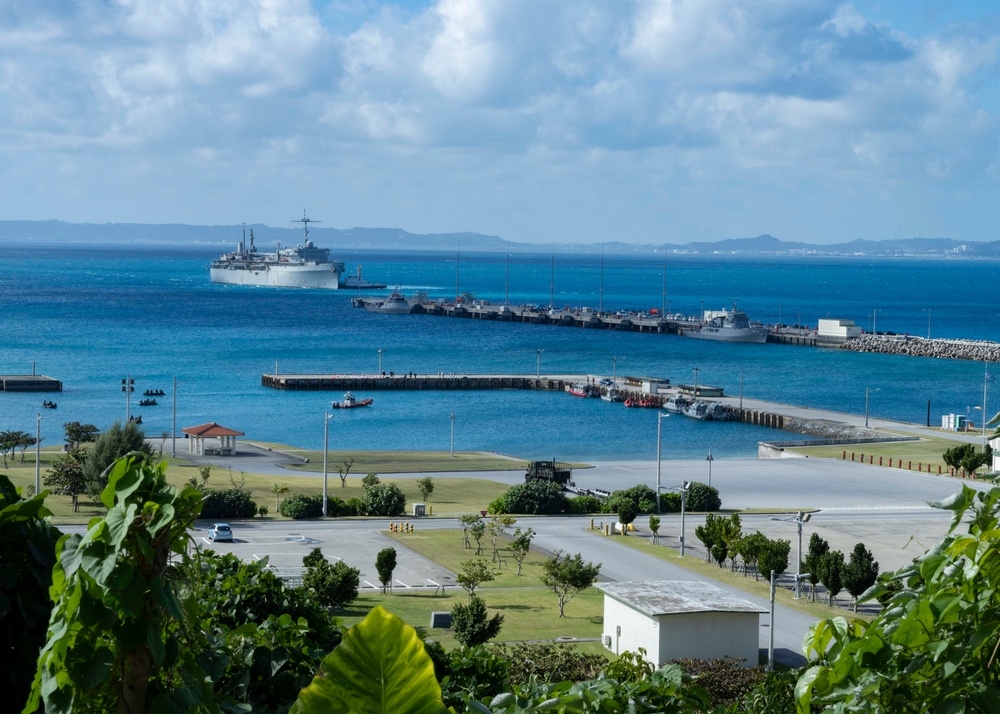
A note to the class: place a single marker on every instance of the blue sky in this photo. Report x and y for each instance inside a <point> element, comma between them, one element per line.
<point>546,121</point>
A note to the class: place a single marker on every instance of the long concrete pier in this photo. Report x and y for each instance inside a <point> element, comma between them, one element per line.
<point>679,324</point>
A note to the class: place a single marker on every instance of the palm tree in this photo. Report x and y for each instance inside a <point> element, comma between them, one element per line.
<point>278,490</point>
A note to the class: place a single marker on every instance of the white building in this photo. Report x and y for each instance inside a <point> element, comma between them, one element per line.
<point>837,330</point>
<point>679,619</point>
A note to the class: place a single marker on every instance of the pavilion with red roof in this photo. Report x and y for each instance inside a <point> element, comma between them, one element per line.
<point>221,435</point>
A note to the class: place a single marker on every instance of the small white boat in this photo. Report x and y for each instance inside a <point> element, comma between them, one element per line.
<point>612,395</point>
<point>676,404</point>
<point>698,410</point>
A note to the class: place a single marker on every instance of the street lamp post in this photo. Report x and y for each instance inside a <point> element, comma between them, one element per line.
<point>38,454</point>
<point>695,395</point>
<point>798,520</point>
<point>453,433</point>
<point>379,361</point>
<point>659,432</point>
<point>614,374</point>
<point>128,386</point>
<point>868,391</point>
<point>326,442</point>
<point>538,363</point>
<point>173,420</point>
<point>709,459</point>
<point>683,488</point>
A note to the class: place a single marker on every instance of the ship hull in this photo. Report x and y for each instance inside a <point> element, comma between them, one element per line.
<point>724,334</point>
<point>324,275</point>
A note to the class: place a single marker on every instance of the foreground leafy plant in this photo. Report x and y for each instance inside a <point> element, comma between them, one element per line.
<point>935,645</point>
<point>109,646</point>
<point>380,667</point>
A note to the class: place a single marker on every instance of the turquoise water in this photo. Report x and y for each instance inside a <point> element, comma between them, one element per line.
<point>89,316</point>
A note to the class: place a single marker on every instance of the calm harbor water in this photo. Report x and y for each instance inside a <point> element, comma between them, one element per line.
<point>90,315</point>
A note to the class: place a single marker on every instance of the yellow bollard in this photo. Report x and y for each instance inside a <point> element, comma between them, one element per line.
<point>591,524</point>
<point>430,510</point>
<point>607,529</point>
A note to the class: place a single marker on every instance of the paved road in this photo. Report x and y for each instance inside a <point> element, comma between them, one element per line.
<point>884,508</point>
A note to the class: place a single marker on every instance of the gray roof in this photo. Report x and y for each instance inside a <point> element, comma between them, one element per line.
<point>675,597</point>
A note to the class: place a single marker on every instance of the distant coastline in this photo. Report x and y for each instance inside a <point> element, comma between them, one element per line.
<point>179,236</point>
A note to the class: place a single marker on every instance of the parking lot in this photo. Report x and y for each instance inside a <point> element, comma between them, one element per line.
<point>285,544</point>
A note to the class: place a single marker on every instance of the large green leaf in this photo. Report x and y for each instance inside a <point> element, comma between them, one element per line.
<point>381,667</point>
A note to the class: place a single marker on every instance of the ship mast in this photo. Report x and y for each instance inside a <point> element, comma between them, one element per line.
<point>305,221</point>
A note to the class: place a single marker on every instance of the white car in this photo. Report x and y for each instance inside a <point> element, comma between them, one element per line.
<point>220,532</point>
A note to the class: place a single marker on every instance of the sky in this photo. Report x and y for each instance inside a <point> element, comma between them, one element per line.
<point>539,121</point>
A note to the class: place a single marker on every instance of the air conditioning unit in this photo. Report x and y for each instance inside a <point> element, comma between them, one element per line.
<point>607,640</point>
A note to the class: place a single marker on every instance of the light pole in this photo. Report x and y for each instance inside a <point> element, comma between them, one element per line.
<point>798,520</point>
<point>614,374</point>
<point>379,361</point>
<point>928,323</point>
<point>538,364</point>
<point>683,488</point>
<point>453,433</point>
<point>868,391</point>
<point>326,441</point>
<point>128,386</point>
<point>709,459</point>
<point>38,455</point>
<point>695,395</point>
<point>659,433</point>
<point>173,420</point>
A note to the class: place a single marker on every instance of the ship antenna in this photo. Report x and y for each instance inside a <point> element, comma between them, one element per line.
<point>305,221</point>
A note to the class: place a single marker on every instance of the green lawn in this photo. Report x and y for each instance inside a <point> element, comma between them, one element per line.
<point>530,610</point>
<point>450,496</point>
<point>529,614</point>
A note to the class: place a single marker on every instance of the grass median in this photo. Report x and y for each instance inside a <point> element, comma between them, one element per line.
<point>450,496</point>
<point>530,610</point>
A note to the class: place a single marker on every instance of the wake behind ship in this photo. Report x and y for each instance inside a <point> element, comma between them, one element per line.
<point>304,266</point>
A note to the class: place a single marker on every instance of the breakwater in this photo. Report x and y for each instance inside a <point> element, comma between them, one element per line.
<point>976,350</point>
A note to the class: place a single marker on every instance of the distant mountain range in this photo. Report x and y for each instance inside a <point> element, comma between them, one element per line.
<point>399,239</point>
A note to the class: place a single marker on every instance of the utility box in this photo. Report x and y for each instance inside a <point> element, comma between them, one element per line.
<point>440,620</point>
<point>419,509</point>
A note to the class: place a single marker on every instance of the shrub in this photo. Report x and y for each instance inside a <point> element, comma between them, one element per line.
<point>704,498</point>
<point>300,506</point>
<point>583,504</point>
<point>725,680</point>
<point>478,673</point>
<point>471,625</point>
<point>384,499</point>
<point>670,502</point>
<point>641,496</point>
<point>334,585</point>
<point>354,507</point>
<point>550,662</point>
<point>228,503</point>
<point>537,497</point>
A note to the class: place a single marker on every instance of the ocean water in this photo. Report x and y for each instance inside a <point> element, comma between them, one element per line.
<point>90,315</point>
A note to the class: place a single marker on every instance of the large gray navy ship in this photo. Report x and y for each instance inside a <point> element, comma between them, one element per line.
<point>304,266</point>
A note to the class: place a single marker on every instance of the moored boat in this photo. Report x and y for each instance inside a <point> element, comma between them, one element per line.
<point>395,304</point>
<point>676,404</point>
<point>580,389</point>
<point>351,402</point>
<point>730,326</point>
<point>699,410</point>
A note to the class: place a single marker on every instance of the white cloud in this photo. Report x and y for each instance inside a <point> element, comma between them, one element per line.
<point>654,97</point>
